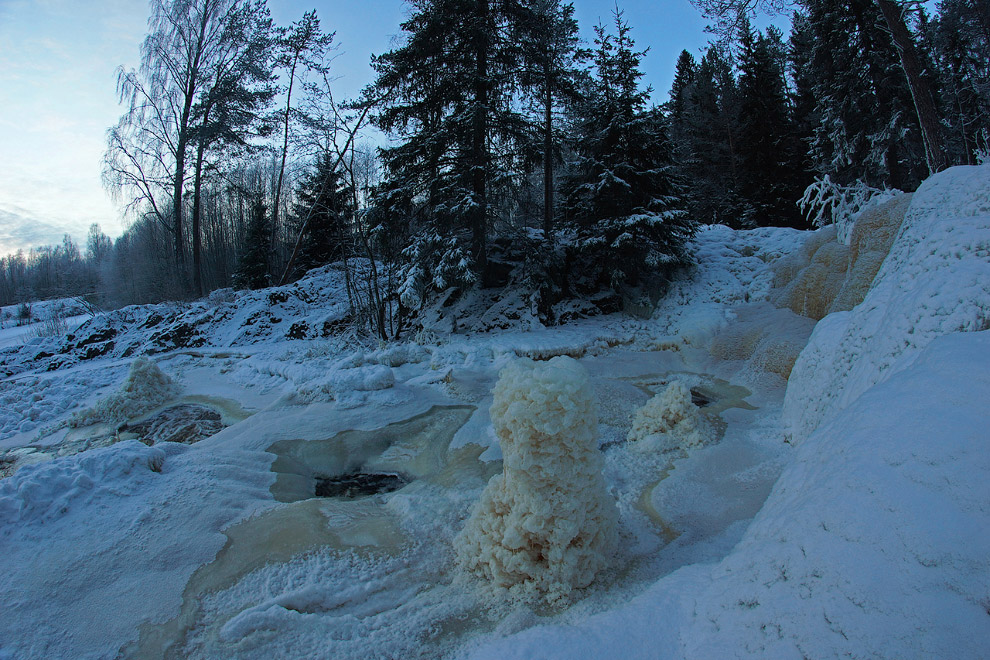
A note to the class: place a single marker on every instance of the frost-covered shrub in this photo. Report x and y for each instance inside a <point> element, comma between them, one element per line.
<point>826,202</point>
<point>146,388</point>
<point>670,420</point>
<point>546,525</point>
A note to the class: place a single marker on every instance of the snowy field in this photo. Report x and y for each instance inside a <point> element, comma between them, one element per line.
<point>234,478</point>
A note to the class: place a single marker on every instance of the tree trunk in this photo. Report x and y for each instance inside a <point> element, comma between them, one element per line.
<point>180,171</point>
<point>479,146</point>
<point>285,150</point>
<point>197,239</point>
<point>921,91</point>
<point>547,155</point>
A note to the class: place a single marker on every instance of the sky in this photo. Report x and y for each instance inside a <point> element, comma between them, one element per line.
<point>58,64</point>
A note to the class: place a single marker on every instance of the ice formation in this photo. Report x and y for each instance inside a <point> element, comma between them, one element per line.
<point>146,388</point>
<point>766,338</point>
<point>933,282</point>
<point>546,525</point>
<point>670,420</point>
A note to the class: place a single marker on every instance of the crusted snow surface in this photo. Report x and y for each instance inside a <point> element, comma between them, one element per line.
<point>936,280</point>
<point>546,525</point>
<point>670,420</point>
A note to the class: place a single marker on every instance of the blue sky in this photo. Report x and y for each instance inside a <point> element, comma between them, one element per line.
<point>57,90</point>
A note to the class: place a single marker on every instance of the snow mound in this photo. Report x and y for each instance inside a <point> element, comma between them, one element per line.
<point>936,280</point>
<point>45,491</point>
<point>670,420</point>
<point>546,525</point>
<point>146,388</point>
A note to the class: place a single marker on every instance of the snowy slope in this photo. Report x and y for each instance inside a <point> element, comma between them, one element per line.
<point>936,280</point>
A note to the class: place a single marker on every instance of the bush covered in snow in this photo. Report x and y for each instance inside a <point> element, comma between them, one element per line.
<point>546,525</point>
<point>670,420</point>
<point>146,388</point>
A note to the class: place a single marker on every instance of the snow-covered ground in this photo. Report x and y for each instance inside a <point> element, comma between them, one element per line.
<point>839,508</point>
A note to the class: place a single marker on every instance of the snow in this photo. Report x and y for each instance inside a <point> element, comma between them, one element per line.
<point>839,509</point>
<point>936,280</point>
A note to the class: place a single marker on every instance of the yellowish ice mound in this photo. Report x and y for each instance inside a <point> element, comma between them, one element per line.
<point>546,525</point>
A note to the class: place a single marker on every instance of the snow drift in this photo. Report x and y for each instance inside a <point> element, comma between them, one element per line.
<point>546,525</point>
<point>936,280</point>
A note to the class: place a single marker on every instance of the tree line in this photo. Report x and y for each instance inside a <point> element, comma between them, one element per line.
<point>516,155</point>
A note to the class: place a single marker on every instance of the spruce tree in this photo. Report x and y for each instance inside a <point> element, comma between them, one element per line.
<point>623,197</point>
<point>708,144</point>
<point>868,130</point>
<point>253,269</point>
<point>960,42</point>
<point>450,88</point>
<point>325,198</point>
<point>771,180</point>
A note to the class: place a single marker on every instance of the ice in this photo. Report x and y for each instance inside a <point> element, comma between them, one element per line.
<point>934,282</point>
<point>546,525</point>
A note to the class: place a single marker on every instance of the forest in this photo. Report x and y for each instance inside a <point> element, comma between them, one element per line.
<point>496,149</point>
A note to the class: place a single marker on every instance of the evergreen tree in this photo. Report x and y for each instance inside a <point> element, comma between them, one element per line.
<point>252,271</point>
<point>868,129</point>
<point>325,198</point>
<point>707,131</point>
<point>684,75</point>
<point>552,78</point>
<point>960,42</point>
<point>451,103</point>
<point>623,197</point>
<point>772,180</point>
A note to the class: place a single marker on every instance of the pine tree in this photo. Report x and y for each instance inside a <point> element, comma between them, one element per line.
<point>771,177</point>
<point>252,271</point>
<point>623,197</point>
<point>325,198</point>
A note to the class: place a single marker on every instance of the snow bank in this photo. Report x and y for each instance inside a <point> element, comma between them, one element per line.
<point>546,525</point>
<point>670,420</point>
<point>42,492</point>
<point>936,280</point>
<point>146,388</point>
